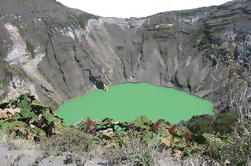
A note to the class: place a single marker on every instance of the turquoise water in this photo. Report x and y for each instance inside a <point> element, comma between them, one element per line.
<point>126,102</point>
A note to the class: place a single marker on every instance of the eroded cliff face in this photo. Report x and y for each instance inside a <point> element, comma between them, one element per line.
<point>57,53</point>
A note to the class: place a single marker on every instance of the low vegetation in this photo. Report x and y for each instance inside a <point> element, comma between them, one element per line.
<point>221,123</point>
<point>30,48</point>
<point>26,118</point>
<point>202,39</point>
<point>163,33</point>
<point>1,54</point>
<point>83,19</point>
<point>134,143</point>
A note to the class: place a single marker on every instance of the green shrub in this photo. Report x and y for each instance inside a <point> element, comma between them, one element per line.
<point>202,38</point>
<point>235,147</point>
<point>31,120</point>
<point>142,122</point>
<point>201,125</point>
<point>30,48</point>
<point>9,126</point>
<point>237,150</point>
<point>222,123</point>
<point>199,139</point>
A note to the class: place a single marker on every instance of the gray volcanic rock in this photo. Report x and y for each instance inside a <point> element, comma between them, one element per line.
<point>57,53</point>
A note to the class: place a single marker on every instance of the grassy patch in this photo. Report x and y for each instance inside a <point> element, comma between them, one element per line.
<point>30,48</point>
<point>1,54</point>
<point>2,82</point>
<point>164,52</point>
<point>145,36</point>
<point>202,38</point>
<point>163,33</point>
<point>83,19</point>
<point>19,72</point>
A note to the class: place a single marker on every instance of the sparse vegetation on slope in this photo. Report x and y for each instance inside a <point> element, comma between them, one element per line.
<point>30,48</point>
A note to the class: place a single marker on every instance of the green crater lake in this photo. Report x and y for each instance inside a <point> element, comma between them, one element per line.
<point>126,102</point>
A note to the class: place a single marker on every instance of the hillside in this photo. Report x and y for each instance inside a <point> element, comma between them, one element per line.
<point>56,53</point>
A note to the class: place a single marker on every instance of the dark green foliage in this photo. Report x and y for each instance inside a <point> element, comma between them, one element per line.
<point>237,151</point>
<point>6,126</point>
<point>51,118</point>
<point>189,152</point>
<point>234,147</point>
<point>32,119</point>
<point>199,138</point>
<point>26,113</point>
<point>202,38</point>
<point>222,123</point>
<point>225,122</point>
<point>201,125</point>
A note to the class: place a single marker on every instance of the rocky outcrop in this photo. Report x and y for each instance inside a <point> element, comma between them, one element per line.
<point>60,53</point>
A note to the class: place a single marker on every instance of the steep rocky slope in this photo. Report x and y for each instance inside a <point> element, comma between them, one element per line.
<point>57,53</point>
